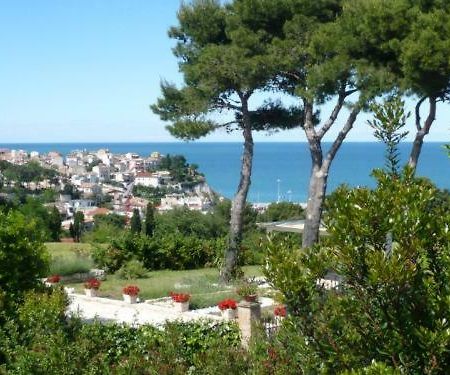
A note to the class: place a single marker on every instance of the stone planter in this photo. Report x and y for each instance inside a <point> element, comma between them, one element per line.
<point>181,306</point>
<point>248,314</point>
<point>229,314</point>
<point>129,299</point>
<point>91,292</point>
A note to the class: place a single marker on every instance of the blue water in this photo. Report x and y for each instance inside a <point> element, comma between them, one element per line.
<point>287,162</point>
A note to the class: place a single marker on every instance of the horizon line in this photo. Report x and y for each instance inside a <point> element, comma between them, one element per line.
<point>186,142</point>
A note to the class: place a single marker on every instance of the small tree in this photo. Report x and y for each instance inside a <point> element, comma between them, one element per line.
<point>150,220</point>
<point>54,224</point>
<point>389,119</point>
<point>136,225</point>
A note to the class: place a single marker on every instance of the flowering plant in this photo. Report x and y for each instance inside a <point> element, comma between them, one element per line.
<point>280,311</point>
<point>180,297</point>
<point>131,290</point>
<point>246,288</point>
<point>227,304</point>
<point>92,284</point>
<point>53,279</point>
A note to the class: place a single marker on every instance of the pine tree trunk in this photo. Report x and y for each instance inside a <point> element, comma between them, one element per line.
<point>317,188</point>
<point>319,173</point>
<point>230,266</point>
<point>422,131</point>
<point>416,149</point>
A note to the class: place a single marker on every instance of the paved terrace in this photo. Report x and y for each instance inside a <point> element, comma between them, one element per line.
<point>154,312</point>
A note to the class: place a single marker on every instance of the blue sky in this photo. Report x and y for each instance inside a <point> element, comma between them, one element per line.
<point>87,70</point>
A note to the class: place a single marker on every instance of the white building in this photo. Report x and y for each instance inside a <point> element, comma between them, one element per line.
<point>103,172</point>
<point>147,179</point>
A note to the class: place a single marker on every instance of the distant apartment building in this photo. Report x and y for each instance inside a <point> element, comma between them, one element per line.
<point>147,179</point>
<point>90,189</point>
<point>103,172</point>
<point>55,158</point>
<point>171,201</point>
<point>104,156</point>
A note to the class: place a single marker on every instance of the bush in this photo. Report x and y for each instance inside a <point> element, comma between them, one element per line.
<point>23,258</point>
<point>391,247</point>
<point>102,233</point>
<point>133,269</point>
<point>173,251</point>
<point>282,211</point>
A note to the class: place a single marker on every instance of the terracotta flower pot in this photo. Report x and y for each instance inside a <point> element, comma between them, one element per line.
<point>251,298</point>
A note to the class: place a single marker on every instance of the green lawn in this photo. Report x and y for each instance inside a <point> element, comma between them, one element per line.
<point>199,283</point>
<point>69,258</point>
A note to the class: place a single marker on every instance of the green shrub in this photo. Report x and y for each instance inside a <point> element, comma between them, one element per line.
<point>133,269</point>
<point>173,251</point>
<point>23,258</point>
<point>391,247</point>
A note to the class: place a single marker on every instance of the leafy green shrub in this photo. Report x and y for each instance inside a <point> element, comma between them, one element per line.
<point>173,251</point>
<point>282,211</point>
<point>133,269</point>
<point>102,233</point>
<point>23,258</point>
<point>391,247</point>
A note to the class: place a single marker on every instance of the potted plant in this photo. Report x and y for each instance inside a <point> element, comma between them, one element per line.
<point>91,287</point>
<point>280,313</point>
<point>247,290</point>
<point>180,301</point>
<point>52,280</point>
<point>130,293</point>
<point>228,308</point>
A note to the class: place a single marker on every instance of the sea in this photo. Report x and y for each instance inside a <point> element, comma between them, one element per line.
<point>280,170</point>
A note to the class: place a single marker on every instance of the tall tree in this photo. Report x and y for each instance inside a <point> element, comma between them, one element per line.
<point>224,63</point>
<point>316,65</point>
<point>135,224</point>
<point>150,220</point>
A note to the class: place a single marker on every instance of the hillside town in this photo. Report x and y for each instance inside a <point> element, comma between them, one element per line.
<point>100,182</point>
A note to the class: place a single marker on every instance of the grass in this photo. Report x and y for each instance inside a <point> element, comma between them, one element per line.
<point>69,258</point>
<point>200,283</point>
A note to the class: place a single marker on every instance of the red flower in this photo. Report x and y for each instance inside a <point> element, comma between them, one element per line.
<point>131,290</point>
<point>280,311</point>
<point>92,284</point>
<point>180,297</point>
<point>227,304</point>
<point>53,279</point>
